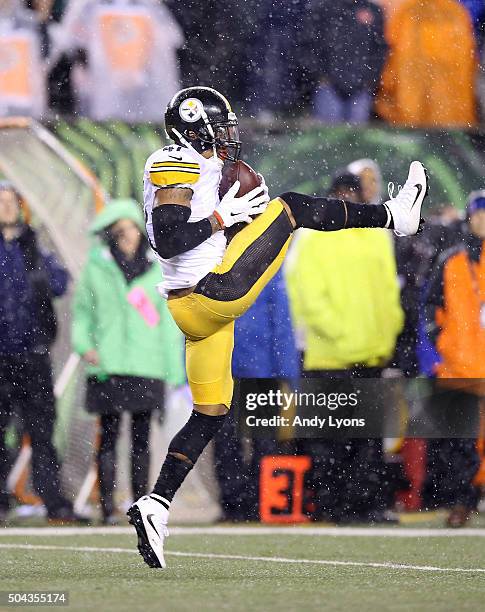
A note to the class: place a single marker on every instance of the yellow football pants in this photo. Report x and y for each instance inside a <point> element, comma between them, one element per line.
<point>206,316</point>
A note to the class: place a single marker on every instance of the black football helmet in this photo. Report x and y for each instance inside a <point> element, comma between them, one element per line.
<point>207,113</point>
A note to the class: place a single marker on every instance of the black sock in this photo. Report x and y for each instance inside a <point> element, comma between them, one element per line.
<point>329,214</point>
<point>184,450</point>
<point>367,215</point>
<point>173,473</point>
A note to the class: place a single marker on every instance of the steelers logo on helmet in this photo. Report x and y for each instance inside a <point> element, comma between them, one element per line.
<point>191,110</point>
<point>201,117</point>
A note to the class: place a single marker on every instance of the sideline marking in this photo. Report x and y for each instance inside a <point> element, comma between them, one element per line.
<point>398,566</point>
<point>396,532</point>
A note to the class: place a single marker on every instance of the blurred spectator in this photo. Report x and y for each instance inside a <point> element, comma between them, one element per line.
<point>29,280</point>
<point>223,65</point>
<point>267,326</point>
<point>389,6</point>
<point>22,73</point>
<point>346,46</point>
<point>429,78</point>
<point>455,323</point>
<point>264,348</point>
<point>275,62</point>
<point>343,288</point>
<point>444,228</point>
<point>46,13</point>
<point>415,258</point>
<point>128,69</point>
<point>344,293</point>
<point>476,8</point>
<point>370,177</point>
<point>124,332</point>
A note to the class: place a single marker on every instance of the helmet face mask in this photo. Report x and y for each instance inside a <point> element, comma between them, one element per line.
<point>226,140</point>
<point>204,118</point>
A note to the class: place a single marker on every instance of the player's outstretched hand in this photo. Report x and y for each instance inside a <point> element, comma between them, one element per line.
<point>233,209</point>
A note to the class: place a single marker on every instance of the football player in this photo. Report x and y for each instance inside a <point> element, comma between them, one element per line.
<point>209,284</point>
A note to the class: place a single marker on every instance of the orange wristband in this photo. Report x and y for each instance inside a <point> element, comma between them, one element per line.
<point>219,219</point>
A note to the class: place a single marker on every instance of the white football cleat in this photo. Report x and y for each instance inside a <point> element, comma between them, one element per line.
<point>149,516</point>
<point>405,208</point>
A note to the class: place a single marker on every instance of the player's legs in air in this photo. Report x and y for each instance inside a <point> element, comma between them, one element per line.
<point>206,312</point>
<point>207,315</point>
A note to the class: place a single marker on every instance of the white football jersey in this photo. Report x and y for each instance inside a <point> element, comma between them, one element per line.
<point>175,166</point>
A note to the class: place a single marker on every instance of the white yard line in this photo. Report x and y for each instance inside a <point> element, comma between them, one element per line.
<point>395,532</point>
<point>397,566</point>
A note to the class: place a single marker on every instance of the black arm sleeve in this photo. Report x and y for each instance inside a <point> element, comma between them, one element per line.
<point>172,232</point>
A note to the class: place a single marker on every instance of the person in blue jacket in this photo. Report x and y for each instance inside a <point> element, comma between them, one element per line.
<point>264,348</point>
<point>267,326</point>
<point>29,281</point>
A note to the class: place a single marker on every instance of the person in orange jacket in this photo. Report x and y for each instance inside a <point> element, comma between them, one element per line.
<point>429,77</point>
<point>455,323</point>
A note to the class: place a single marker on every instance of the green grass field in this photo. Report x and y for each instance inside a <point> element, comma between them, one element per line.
<point>257,569</point>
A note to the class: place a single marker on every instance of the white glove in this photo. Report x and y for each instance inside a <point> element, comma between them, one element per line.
<point>236,210</point>
<point>261,207</point>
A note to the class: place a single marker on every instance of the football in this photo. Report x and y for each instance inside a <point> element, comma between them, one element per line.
<point>238,171</point>
<point>242,172</point>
